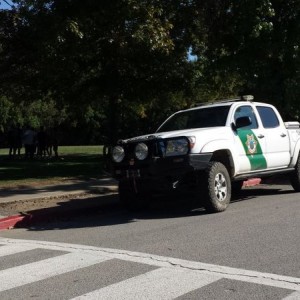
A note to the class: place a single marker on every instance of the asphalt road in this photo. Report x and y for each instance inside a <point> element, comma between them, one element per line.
<point>258,232</point>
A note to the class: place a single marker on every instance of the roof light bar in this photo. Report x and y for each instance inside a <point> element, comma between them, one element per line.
<point>247,97</point>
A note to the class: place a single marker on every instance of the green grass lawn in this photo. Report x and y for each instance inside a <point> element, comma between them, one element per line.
<point>74,162</point>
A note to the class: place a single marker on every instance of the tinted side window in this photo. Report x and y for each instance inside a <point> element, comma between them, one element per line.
<point>268,117</point>
<point>246,111</point>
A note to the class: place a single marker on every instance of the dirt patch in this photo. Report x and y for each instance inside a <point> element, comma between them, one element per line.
<point>36,183</point>
<point>29,206</point>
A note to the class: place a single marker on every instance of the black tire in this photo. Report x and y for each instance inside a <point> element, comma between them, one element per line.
<point>218,190</point>
<point>295,177</point>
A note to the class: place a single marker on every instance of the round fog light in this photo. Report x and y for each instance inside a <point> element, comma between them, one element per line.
<point>118,154</point>
<point>141,151</point>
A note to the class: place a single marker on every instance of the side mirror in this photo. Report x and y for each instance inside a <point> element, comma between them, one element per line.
<point>242,122</point>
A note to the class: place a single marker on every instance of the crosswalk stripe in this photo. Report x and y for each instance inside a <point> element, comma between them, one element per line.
<point>14,249</point>
<point>162,283</point>
<point>29,273</point>
<point>293,296</point>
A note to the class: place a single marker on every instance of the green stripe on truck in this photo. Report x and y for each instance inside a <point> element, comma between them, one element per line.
<point>252,149</point>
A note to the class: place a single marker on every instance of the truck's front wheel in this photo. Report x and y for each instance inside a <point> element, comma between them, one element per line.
<point>218,190</point>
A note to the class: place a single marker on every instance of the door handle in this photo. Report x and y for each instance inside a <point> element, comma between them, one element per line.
<point>283,135</point>
<point>260,136</point>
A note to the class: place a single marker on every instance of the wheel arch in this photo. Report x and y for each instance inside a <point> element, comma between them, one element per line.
<point>224,156</point>
<point>224,152</point>
<point>296,155</point>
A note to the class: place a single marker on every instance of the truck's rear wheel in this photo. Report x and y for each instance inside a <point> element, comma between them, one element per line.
<point>295,177</point>
<point>218,190</point>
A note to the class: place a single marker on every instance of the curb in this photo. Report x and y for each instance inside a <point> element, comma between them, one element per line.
<point>25,220</point>
<point>68,209</point>
<point>11,221</point>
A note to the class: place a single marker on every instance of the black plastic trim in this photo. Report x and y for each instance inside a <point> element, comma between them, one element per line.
<point>266,173</point>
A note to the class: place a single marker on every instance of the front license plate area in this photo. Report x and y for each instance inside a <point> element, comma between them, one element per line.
<point>133,173</point>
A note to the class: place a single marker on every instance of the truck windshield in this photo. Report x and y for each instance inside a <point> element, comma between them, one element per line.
<point>198,118</point>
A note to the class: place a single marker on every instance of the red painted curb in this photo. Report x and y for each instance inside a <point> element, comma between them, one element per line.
<point>11,221</point>
<point>252,182</point>
<point>18,221</point>
<point>43,215</point>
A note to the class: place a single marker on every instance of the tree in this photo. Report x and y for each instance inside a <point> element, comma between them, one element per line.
<point>110,52</point>
<point>253,47</point>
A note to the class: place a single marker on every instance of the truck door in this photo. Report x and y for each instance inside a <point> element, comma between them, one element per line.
<point>276,136</point>
<point>250,141</point>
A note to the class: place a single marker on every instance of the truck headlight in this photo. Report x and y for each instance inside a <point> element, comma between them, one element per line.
<point>176,147</point>
<point>118,154</point>
<point>141,151</point>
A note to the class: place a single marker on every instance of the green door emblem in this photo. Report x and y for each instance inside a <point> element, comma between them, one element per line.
<point>252,149</point>
<point>251,144</point>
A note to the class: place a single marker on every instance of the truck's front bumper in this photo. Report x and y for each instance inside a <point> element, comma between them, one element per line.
<point>160,174</point>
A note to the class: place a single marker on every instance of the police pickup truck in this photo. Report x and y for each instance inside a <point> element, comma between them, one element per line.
<point>210,149</point>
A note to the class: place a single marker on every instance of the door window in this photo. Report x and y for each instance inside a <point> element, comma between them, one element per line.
<point>246,111</point>
<point>268,117</point>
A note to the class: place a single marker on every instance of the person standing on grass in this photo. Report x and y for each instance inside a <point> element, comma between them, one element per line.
<point>42,142</point>
<point>53,142</point>
<point>18,140</point>
<point>15,140</point>
<point>11,141</point>
<point>55,146</point>
<point>29,140</point>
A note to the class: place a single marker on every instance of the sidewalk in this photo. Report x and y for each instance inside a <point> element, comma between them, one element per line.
<point>23,206</point>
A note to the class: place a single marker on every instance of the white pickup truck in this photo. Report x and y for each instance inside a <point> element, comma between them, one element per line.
<point>211,149</point>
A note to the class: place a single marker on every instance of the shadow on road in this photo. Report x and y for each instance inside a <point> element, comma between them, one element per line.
<point>250,193</point>
<point>76,214</point>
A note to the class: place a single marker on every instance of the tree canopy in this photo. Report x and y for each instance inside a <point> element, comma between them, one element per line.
<point>117,68</point>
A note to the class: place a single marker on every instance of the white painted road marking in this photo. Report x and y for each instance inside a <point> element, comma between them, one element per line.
<point>174,278</point>
<point>162,283</point>
<point>14,249</point>
<point>28,273</point>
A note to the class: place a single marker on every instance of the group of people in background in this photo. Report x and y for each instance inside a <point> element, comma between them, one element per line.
<point>39,143</point>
